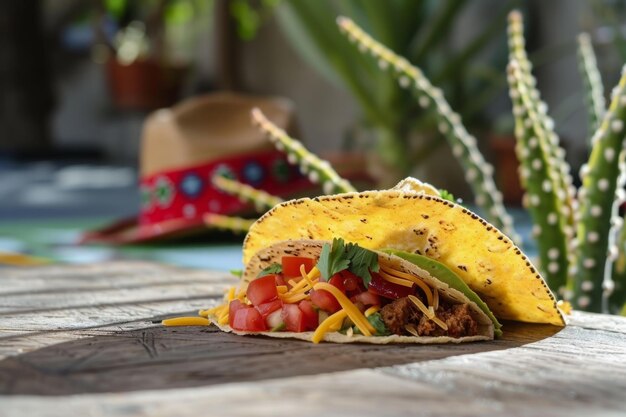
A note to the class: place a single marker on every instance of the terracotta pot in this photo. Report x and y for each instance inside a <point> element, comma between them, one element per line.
<point>143,85</point>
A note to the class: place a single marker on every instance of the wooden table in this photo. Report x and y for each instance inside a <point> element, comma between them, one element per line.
<point>83,341</point>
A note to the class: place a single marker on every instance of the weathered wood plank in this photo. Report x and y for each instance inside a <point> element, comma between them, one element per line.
<point>89,317</point>
<point>580,370</point>
<point>87,277</point>
<point>597,321</point>
<point>129,361</point>
<point>453,386</point>
<point>46,302</point>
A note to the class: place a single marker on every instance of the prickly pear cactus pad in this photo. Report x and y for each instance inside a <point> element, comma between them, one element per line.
<point>487,260</point>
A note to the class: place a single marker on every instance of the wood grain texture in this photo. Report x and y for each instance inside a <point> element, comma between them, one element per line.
<point>103,346</point>
<point>187,357</point>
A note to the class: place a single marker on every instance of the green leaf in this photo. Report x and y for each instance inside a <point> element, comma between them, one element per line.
<point>332,259</point>
<point>377,322</point>
<point>339,256</point>
<point>362,261</point>
<point>446,195</point>
<point>236,272</point>
<point>274,268</point>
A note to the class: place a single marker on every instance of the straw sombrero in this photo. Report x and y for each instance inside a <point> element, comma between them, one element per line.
<point>184,146</point>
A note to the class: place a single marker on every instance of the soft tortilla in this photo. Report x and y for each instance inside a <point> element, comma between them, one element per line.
<point>481,255</point>
<point>312,248</point>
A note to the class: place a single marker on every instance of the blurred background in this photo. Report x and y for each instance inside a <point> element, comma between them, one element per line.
<point>79,78</point>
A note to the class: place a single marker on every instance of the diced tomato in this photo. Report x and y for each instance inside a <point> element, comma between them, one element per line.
<point>248,319</point>
<point>337,281</point>
<point>266,308</point>
<point>291,265</point>
<point>262,290</point>
<point>368,298</point>
<point>293,317</point>
<point>350,281</point>
<point>325,301</point>
<point>279,279</point>
<point>232,308</point>
<point>387,289</point>
<point>310,315</point>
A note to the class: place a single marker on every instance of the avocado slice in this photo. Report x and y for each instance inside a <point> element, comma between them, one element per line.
<point>445,274</point>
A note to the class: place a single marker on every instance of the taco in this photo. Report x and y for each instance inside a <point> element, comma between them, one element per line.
<point>399,265</point>
<point>339,292</point>
<point>413,218</point>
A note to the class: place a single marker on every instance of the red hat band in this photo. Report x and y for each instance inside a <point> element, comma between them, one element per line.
<point>189,193</point>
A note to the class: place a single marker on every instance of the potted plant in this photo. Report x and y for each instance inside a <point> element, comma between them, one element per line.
<point>147,49</point>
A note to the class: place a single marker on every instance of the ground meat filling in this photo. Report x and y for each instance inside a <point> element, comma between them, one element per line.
<point>402,311</point>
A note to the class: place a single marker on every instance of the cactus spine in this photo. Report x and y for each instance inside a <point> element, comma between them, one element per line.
<point>601,193</point>
<point>234,224</point>
<point>592,82</point>
<point>541,199</point>
<point>557,179</point>
<point>317,170</point>
<point>478,173</point>
<point>262,201</point>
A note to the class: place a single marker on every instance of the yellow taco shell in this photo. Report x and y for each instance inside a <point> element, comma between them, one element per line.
<point>487,260</point>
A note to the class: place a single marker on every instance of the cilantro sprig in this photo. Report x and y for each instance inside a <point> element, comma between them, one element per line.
<point>447,195</point>
<point>341,256</point>
<point>274,268</point>
<point>377,322</point>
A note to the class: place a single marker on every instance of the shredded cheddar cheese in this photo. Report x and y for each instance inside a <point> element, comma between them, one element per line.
<point>293,298</point>
<point>349,313</point>
<point>418,303</point>
<point>440,323</point>
<point>353,312</point>
<point>395,280</point>
<point>416,280</point>
<point>324,327</point>
<point>371,310</point>
<point>230,296</point>
<point>305,276</point>
<point>336,326</point>
<point>428,312</point>
<point>185,321</point>
<point>411,329</point>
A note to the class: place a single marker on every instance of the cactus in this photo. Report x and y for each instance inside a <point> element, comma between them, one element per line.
<point>601,193</point>
<point>591,81</point>
<point>617,299</point>
<point>541,199</point>
<point>558,170</point>
<point>234,224</point>
<point>262,201</point>
<point>317,170</point>
<point>614,272</point>
<point>479,174</point>
<point>595,215</point>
